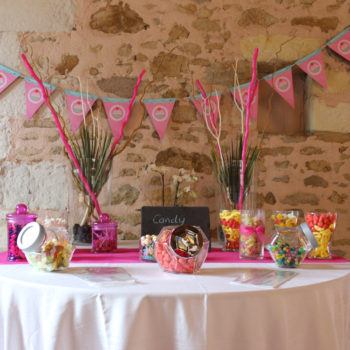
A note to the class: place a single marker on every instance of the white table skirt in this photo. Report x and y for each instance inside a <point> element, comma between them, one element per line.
<point>47,311</point>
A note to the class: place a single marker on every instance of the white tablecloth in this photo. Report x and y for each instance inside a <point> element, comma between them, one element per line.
<point>46,311</point>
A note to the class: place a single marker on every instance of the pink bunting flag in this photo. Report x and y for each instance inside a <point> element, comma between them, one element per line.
<point>313,66</point>
<point>116,110</point>
<point>236,95</point>
<point>282,82</point>
<point>159,110</point>
<point>34,96</point>
<point>7,77</point>
<point>78,105</point>
<point>204,110</point>
<point>341,44</point>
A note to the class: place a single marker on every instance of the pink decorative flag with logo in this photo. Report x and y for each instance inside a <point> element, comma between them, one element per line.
<point>236,95</point>
<point>313,66</point>
<point>78,105</point>
<point>116,109</point>
<point>159,110</point>
<point>7,77</point>
<point>341,44</point>
<point>203,110</point>
<point>282,82</point>
<point>34,97</point>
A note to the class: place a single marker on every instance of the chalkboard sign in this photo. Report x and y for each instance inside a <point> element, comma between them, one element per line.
<point>153,219</point>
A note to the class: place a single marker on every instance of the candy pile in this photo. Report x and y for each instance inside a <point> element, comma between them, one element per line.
<point>147,247</point>
<point>288,248</point>
<point>285,218</point>
<point>322,226</point>
<point>181,250</point>
<point>230,221</point>
<point>252,232</point>
<point>55,255</point>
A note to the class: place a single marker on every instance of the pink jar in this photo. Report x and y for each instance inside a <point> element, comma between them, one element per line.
<point>15,222</point>
<point>104,235</point>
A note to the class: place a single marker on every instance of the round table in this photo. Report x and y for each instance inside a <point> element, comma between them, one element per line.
<point>162,311</point>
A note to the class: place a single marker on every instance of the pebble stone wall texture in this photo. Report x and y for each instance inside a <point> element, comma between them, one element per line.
<point>107,43</point>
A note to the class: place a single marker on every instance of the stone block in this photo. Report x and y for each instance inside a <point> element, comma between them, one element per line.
<point>37,15</point>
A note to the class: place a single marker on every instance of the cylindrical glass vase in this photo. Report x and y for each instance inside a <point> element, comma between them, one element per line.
<point>252,234</point>
<point>104,235</point>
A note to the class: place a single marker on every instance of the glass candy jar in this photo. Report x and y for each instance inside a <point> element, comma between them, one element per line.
<point>252,234</point>
<point>15,222</point>
<point>322,226</point>
<point>290,245</point>
<point>48,250</point>
<point>147,243</point>
<point>230,221</point>
<point>104,235</point>
<point>181,249</point>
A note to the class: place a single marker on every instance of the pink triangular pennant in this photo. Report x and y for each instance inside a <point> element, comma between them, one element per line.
<point>7,77</point>
<point>204,110</point>
<point>159,110</point>
<point>313,66</point>
<point>282,82</point>
<point>341,44</point>
<point>116,110</point>
<point>77,107</point>
<point>244,93</point>
<point>34,96</point>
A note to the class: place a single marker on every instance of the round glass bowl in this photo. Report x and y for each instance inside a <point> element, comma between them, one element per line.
<point>181,249</point>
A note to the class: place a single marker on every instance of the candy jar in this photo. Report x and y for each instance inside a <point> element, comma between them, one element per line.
<point>15,222</point>
<point>252,234</point>
<point>322,226</point>
<point>45,249</point>
<point>230,221</point>
<point>104,235</point>
<point>181,249</point>
<point>287,218</point>
<point>147,243</point>
<point>290,245</point>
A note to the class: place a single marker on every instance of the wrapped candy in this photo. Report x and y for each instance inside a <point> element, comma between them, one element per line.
<point>147,243</point>
<point>181,249</point>
<point>230,221</point>
<point>322,226</point>
<point>252,233</point>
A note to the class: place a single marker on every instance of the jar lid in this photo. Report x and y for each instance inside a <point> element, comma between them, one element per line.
<point>21,212</point>
<point>104,221</point>
<point>309,235</point>
<point>31,237</point>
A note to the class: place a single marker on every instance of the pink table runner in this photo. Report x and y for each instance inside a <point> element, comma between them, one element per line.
<point>131,255</point>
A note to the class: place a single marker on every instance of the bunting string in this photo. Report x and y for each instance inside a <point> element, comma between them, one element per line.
<point>118,110</point>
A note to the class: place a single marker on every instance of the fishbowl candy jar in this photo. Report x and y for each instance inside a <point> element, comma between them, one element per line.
<point>290,245</point>
<point>252,234</point>
<point>288,218</point>
<point>322,226</point>
<point>104,235</point>
<point>48,250</point>
<point>230,221</point>
<point>147,243</point>
<point>181,249</point>
<point>15,222</point>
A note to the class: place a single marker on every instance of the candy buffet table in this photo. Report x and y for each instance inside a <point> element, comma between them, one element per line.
<point>161,311</point>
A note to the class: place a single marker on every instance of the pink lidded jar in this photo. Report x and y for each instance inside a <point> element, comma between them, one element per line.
<point>104,235</point>
<point>15,222</point>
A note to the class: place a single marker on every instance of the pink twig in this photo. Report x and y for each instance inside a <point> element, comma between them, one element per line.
<point>62,134</point>
<point>128,112</point>
<point>251,93</point>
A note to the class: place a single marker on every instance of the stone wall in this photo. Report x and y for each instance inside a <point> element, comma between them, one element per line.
<point>107,43</point>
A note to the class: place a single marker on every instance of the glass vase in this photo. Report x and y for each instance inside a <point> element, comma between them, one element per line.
<point>252,234</point>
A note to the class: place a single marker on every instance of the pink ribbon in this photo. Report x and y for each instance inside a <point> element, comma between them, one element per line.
<point>253,230</point>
